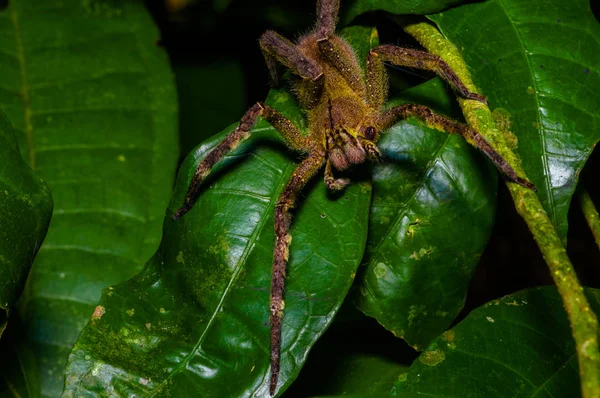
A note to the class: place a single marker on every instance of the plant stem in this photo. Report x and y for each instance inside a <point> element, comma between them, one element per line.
<point>584,323</point>
<point>590,213</point>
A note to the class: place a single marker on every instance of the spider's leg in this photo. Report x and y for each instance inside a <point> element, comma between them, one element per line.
<point>327,12</point>
<point>305,171</point>
<point>341,58</point>
<point>286,128</point>
<point>423,60</point>
<point>447,125</point>
<point>331,182</point>
<point>377,81</point>
<point>371,148</point>
<point>277,48</point>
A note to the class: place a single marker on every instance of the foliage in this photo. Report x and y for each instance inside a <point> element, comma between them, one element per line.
<point>93,103</point>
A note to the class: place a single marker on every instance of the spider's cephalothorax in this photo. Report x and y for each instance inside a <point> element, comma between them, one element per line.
<point>345,113</point>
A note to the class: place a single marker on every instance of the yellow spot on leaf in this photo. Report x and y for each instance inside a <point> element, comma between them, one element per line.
<point>98,312</point>
<point>432,358</point>
<point>422,253</point>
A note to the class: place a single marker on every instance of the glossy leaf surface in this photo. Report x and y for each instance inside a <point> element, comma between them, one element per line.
<point>195,321</point>
<point>431,216</point>
<point>517,346</point>
<point>92,97</point>
<point>540,62</point>
<point>25,212</point>
<point>356,7</point>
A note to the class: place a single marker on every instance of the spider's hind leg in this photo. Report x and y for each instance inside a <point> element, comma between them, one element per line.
<point>442,123</point>
<point>305,171</point>
<point>286,128</point>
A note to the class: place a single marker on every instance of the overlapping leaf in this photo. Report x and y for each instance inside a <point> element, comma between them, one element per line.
<point>196,319</point>
<point>25,212</point>
<point>92,97</point>
<point>540,61</point>
<point>356,7</point>
<point>518,346</point>
<point>431,216</point>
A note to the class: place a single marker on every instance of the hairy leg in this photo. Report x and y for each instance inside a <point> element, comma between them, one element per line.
<point>290,133</point>
<point>371,149</point>
<point>377,81</point>
<point>442,123</point>
<point>305,171</point>
<point>341,57</point>
<point>327,12</point>
<point>422,60</point>
<point>331,182</point>
<point>277,48</point>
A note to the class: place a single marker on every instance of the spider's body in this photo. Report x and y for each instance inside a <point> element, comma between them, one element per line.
<point>344,107</point>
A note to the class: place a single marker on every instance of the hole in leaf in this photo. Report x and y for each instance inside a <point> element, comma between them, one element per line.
<point>3,5</point>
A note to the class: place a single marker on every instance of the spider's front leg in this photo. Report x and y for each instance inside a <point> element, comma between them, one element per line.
<point>442,123</point>
<point>286,128</point>
<point>414,59</point>
<point>305,171</point>
<point>277,48</point>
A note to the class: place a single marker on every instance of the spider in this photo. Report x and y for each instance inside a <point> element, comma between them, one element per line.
<point>344,107</point>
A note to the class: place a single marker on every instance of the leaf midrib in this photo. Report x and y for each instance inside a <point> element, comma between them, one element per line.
<point>401,212</point>
<point>24,93</point>
<point>238,268</point>
<point>544,157</point>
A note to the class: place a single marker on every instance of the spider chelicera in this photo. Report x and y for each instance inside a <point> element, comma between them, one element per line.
<point>344,107</point>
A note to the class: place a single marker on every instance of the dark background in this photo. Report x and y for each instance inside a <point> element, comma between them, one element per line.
<point>219,70</point>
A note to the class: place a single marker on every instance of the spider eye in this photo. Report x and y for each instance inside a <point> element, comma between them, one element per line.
<point>370,133</point>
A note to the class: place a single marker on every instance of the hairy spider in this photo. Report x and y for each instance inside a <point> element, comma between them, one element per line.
<point>344,107</point>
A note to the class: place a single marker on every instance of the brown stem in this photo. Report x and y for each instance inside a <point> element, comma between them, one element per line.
<point>584,322</point>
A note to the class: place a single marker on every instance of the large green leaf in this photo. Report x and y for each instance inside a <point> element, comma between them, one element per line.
<point>431,216</point>
<point>25,212</point>
<point>540,61</point>
<point>195,321</point>
<point>93,99</point>
<point>518,346</point>
<point>353,8</point>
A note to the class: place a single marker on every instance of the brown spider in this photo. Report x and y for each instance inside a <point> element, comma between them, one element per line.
<point>344,107</point>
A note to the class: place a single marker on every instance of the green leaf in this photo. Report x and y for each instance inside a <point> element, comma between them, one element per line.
<point>25,212</point>
<point>518,346</point>
<point>196,319</point>
<point>354,8</point>
<point>431,217</point>
<point>19,371</point>
<point>92,97</point>
<point>523,56</point>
